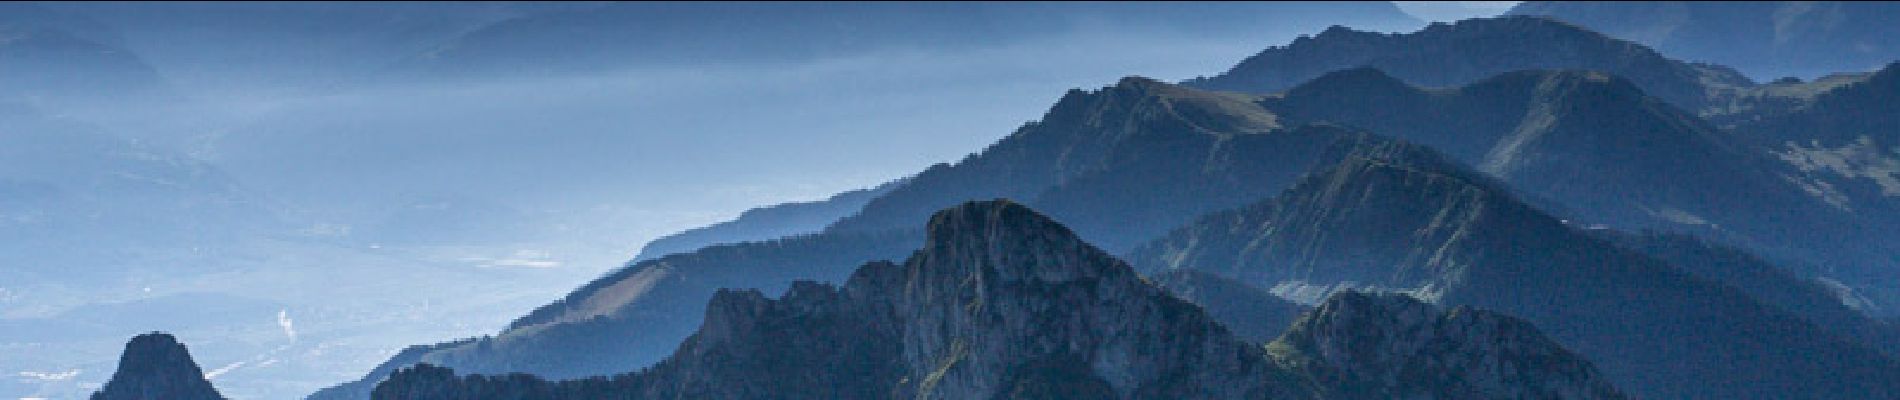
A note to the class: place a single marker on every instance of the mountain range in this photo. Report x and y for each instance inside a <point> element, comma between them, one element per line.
<point>1446,233</point>
<point>1532,157</point>
<point>1004,303</point>
<point>1513,207</point>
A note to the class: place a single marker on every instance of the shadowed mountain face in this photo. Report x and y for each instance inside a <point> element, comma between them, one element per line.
<point>156,367</point>
<point>1604,152</point>
<point>1766,39</point>
<point>1252,314</point>
<point>1002,303</point>
<point>1826,303</point>
<point>1846,139</point>
<point>1448,235</point>
<point>1470,50</point>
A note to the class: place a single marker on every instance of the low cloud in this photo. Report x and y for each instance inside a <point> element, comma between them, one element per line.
<point>283,320</point>
<point>50,376</point>
<point>221,371</point>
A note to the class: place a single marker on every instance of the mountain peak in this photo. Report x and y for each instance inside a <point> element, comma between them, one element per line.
<point>1007,241</point>
<point>156,366</point>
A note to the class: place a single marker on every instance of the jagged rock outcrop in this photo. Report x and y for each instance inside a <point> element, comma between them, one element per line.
<point>634,317</point>
<point>1003,303</point>
<point>1390,346</point>
<point>1450,236</point>
<point>156,367</point>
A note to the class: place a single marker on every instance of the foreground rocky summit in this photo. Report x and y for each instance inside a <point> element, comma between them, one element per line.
<point>1002,302</point>
<point>156,367</point>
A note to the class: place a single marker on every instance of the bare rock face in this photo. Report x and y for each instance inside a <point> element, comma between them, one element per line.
<point>1003,301</point>
<point>156,367</point>
<point>1358,345</point>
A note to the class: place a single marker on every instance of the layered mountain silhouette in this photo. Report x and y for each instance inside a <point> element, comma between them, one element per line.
<point>765,223</point>
<point>1611,134</point>
<point>638,315</point>
<point>1004,303</point>
<point>1166,153</point>
<point>1457,237</point>
<point>1765,39</point>
<point>156,367</point>
<point>65,62</point>
<point>623,34</point>
<point>218,47</point>
<point>66,184</point>
<point>1471,50</point>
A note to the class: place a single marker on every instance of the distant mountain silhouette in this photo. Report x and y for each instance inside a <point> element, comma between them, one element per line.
<point>766,223</point>
<point>623,34</point>
<point>1470,50</point>
<point>65,184</point>
<point>64,62</point>
<point>1767,40</point>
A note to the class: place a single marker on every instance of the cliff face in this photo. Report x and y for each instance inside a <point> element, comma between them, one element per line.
<point>1003,300</point>
<point>1003,303</point>
<point>156,367</point>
